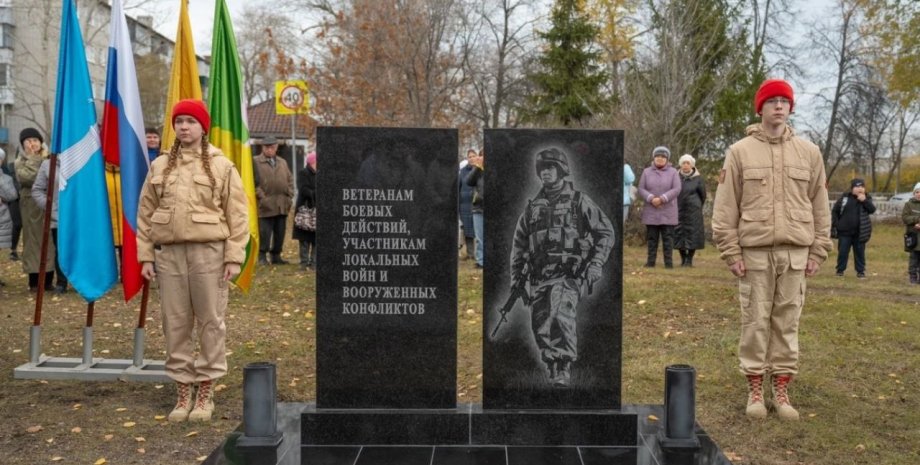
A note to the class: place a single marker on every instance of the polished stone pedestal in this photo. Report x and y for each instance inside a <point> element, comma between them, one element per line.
<point>644,450</point>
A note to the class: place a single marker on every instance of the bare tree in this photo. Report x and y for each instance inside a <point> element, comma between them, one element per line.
<point>503,37</point>
<point>262,31</point>
<point>841,43</point>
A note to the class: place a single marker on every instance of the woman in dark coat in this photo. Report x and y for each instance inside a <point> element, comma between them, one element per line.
<point>306,195</point>
<point>690,234</point>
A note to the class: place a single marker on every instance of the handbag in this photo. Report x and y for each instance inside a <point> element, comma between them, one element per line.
<point>910,241</point>
<point>305,218</point>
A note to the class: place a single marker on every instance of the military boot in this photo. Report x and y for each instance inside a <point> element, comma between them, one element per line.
<point>263,260</point>
<point>914,275</point>
<point>690,254</point>
<point>551,367</point>
<point>784,408</point>
<point>565,374</point>
<point>683,257</point>
<point>204,403</point>
<point>755,406</point>
<point>183,404</point>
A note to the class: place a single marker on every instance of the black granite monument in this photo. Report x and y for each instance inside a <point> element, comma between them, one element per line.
<point>387,268</point>
<point>553,275</point>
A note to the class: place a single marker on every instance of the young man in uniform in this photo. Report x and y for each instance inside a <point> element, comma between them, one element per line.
<point>771,224</point>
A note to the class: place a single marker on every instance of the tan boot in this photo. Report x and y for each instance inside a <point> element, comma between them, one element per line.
<point>183,404</point>
<point>204,403</point>
<point>755,406</point>
<point>784,408</point>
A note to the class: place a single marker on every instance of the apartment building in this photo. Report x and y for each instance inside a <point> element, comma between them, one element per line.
<point>29,42</point>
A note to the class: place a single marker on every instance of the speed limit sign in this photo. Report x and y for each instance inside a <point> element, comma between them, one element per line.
<point>291,97</point>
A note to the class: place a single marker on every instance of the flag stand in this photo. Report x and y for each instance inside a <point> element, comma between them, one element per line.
<point>141,369</point>
<point>86,368</point>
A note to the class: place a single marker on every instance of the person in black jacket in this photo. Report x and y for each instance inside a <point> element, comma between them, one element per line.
<point>851,225</point>
<point>306,196</point>
<point>690,234</point>
<point>476,180</point>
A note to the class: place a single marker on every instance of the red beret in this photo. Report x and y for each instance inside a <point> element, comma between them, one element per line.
<point>194,108</point>
<point>773,88</point>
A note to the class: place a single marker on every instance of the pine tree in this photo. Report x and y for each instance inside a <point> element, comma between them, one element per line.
<point>568,84</point>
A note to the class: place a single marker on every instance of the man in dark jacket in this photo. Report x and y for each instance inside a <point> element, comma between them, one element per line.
<point>851,225</point>
<point>274,193</point>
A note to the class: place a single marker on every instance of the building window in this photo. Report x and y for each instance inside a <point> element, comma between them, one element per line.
<point>4,74</point>
<point>7,32</point>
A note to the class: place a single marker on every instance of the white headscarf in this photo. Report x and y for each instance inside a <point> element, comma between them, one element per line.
<point>687,157</point>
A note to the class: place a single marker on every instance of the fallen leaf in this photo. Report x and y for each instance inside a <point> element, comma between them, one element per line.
<point>108,437</point>
<point>667,334</point>
<point>129,424</point>
<point>812,415</point>
<point>191,434</point>
<point>34,429</point>
<point>116,325</point>
<point>652,418</point>
<point>100,462</point>
<point>220,387</point>
<point>57,458</point>
<point>641,302</point>
<point>105,351</point>
<point>140,439</point>
<point>286,314</point>
<point>77,406</point>
<point>892,375</point>
<point>202,458</point>
<point>49,440</point>
<point>76,429</point>
<point>141,451</point>
<point>159,417</point>
<point>860,448</point>
<point>121,409</point>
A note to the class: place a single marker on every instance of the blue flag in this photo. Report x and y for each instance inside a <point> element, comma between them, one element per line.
<point>86,250</point>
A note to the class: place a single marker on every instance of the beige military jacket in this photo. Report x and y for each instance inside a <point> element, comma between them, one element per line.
<point>184,207</point>
<point>772,192</point>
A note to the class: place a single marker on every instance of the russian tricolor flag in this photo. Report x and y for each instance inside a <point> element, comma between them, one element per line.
<point>123,141</point>
<point>85,248</point>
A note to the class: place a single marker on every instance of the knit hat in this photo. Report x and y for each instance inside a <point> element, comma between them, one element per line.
<point>687,157</point>
<point>773,88</point>
<point>857,182</point>
<point>194,108</point>
<point>28,133</point>
<point>916,187</point>
<point>661,150</point>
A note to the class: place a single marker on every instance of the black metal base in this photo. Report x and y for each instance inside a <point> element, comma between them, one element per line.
<point>645,447</point>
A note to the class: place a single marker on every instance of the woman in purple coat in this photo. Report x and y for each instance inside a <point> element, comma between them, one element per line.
<point>659,188</point>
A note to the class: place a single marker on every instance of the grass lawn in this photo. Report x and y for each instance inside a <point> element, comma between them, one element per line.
<point>857,391</point>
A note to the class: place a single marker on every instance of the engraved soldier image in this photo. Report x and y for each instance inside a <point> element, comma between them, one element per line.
<point>561,242</point>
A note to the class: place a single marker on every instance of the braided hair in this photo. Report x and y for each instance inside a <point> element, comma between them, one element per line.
<point>205,161</point>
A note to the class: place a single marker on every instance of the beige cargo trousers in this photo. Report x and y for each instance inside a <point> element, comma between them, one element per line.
<point>193,291</point>
<point>772,293</point>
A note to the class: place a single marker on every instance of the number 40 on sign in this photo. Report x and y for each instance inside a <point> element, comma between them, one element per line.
<point>291,97</point>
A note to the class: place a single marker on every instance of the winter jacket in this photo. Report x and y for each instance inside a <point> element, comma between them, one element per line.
<point>40,190</point>
<point>628,179</point>
<point>33,219</point>
<point>306,196</point>
<point>476,180</point>
<point>185,207</point>
<point>663,183</point>
<point>911,216</point>
<point>7,194</point>
<point>275,189</point>
<point>465,201</point>
<point>772,193</point>
<point>690,232</point>
<point>850,217</point>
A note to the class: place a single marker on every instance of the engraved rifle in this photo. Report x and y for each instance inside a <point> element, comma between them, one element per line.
<point>517,292</point>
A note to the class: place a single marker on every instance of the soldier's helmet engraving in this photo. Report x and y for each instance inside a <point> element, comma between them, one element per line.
<point>553,156</point>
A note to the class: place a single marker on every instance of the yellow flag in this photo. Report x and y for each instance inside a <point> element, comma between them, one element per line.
<point>183,80</point>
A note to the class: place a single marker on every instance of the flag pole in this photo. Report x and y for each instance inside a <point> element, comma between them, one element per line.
<point>88,334</point>
<point>140,331</point>
<point>35,344</point>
